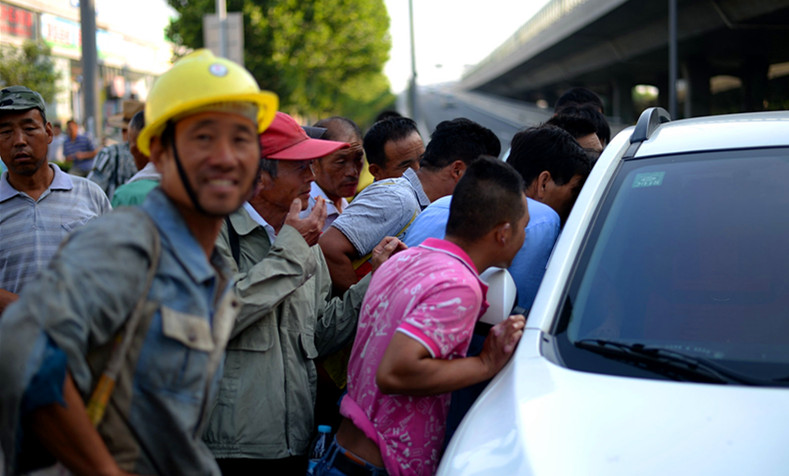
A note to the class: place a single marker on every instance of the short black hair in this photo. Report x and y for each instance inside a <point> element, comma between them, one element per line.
<point>269,166</point>
<point>459,139</point>
<point>392,129</point>
<point>589,113</point>
<point>335,125</point>
<point>137,122</point>
<point>577,126</point>
<point>577,96</point>
<point>386,114</point>
<point>489,193</point>
<point>548,148</point>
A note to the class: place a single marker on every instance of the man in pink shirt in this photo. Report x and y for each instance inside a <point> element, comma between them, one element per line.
<point>415,326</point>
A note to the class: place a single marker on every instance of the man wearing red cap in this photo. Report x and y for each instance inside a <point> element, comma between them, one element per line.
<point>263,419</point>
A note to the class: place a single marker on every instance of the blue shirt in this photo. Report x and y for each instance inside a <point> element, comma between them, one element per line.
<point>172,374</point>
<point>32,230</point>
<point>79,144</point>
<point>431,223</point>
<point>527,268</point>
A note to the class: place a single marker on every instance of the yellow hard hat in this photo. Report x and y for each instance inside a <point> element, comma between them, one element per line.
<point>199,79</point>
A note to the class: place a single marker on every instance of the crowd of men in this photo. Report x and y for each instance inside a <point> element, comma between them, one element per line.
<point>234,298</point>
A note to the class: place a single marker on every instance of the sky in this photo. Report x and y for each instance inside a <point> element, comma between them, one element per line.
<point>146,21</point>
<point>450,35</point>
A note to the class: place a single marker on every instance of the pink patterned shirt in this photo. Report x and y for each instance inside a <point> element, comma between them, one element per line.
<point>431,293</point>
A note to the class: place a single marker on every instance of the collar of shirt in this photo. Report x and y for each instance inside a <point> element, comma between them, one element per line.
<point>176,234</point>
<point>253,214</point>
<point>453,250</point>
<point>413,180</point>
<point>148,172</point>
<point>316,191</point>
<point>61,181</point>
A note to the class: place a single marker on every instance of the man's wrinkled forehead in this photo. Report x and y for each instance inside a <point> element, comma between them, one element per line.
<point>29,116</point>
<point>353,150</point>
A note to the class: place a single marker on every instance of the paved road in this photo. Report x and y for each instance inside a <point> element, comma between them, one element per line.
<point>504,118</point>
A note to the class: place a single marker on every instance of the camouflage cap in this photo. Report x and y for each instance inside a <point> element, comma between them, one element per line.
<point>20,98</point>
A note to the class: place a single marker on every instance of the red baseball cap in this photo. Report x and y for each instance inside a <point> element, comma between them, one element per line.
<point>286,140</point>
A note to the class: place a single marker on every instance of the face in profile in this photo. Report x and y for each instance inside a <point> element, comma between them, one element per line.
<point>512,247</point>
<point>400,156</point>
<point>292,181</point>
<point>562,197</point>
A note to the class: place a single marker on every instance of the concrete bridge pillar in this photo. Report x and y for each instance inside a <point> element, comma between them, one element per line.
<point>754,83</point>
<point>696,71</point>
<point>662,84</point>
<point>622,100</point>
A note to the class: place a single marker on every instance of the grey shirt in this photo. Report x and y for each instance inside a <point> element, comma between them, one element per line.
<point>385,208</point>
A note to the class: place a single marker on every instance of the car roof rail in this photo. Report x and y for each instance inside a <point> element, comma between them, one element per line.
<point>647,124</point>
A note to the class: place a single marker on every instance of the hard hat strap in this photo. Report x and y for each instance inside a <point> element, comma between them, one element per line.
<point>185,180</point>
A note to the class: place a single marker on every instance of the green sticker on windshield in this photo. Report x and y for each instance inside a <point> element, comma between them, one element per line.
<point>648,179</point>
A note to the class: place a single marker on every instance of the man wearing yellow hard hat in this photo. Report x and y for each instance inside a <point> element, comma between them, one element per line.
<point>111,359</point>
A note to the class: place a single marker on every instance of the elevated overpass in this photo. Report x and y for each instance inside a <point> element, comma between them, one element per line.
<point>733,54</point>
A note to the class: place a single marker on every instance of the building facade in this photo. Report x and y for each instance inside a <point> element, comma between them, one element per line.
<point>130,54</point>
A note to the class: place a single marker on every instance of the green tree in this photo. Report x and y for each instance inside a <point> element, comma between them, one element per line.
<point>29,65</point>
<point>320,57</point>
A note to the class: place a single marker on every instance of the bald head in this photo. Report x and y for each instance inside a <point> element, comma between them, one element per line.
<point>340,129</point>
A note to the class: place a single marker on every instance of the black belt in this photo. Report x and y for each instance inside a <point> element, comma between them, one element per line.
<point>349,466</point>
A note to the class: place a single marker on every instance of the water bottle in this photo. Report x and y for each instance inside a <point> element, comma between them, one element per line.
<point>319,446</point>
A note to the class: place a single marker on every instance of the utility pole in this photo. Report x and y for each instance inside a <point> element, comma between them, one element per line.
<point>87,14</point>
<point>221,12</point>
<point>672,58</point>
<point>412,85</point>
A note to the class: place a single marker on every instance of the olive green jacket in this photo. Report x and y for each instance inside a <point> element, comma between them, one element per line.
<point>287,319</point>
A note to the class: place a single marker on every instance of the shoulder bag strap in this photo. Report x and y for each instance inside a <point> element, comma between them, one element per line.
<point>97,404</point>
<point>235,245</point>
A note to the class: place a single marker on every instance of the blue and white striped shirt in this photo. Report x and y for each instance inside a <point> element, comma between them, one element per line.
<point>79,144</point>
<point>31,231</point>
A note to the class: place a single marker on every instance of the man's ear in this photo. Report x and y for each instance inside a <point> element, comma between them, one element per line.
<point>542,183</point>
<point>375,170</point>
<point>502,233</point>
<point>457,169</point>
<point>50,134</point>
<point>264,181</point>
<point>315,165</point>
<point>158,153</point>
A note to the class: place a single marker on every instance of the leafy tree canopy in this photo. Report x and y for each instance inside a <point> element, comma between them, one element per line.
<point>322,58</point>
<point>29,65</point>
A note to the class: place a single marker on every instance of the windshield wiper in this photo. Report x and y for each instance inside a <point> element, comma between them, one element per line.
<point>670,363</point>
